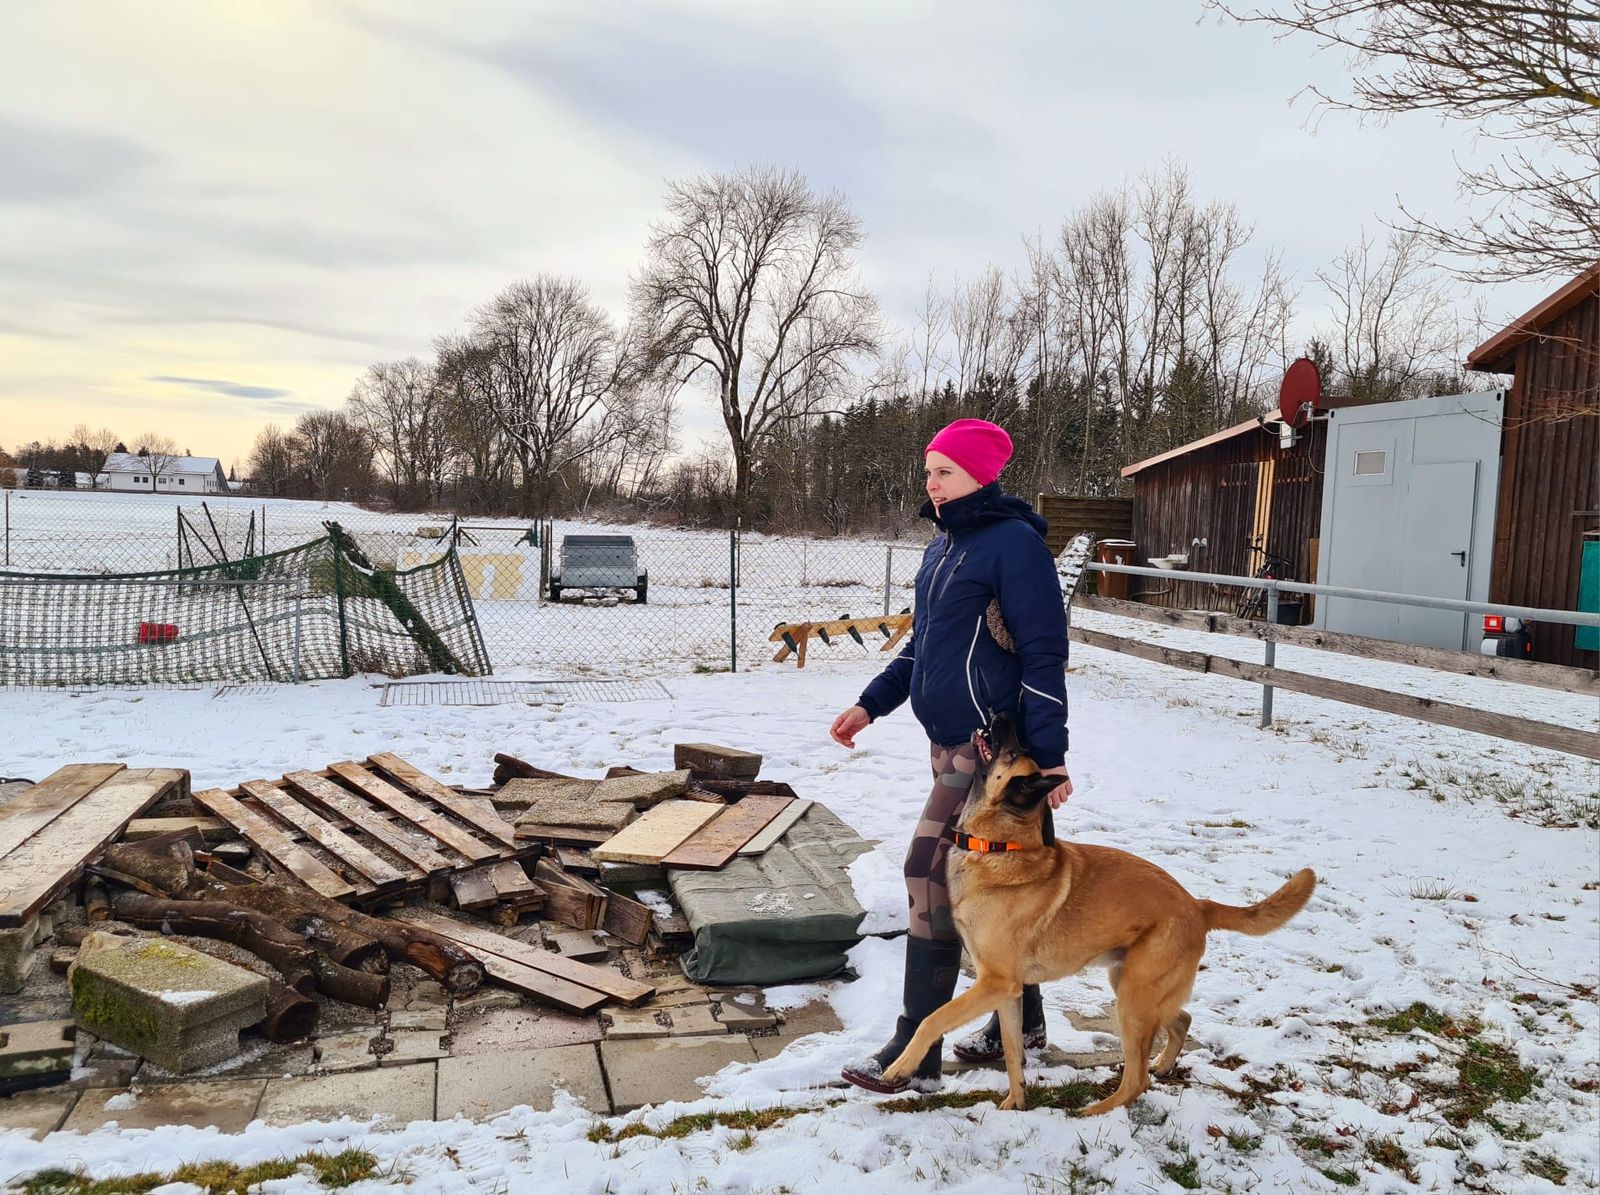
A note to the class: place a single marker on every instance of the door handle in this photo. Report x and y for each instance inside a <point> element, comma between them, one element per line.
<point>1461,556</point>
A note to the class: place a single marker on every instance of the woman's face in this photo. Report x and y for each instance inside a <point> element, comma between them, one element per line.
<point>947,481</point>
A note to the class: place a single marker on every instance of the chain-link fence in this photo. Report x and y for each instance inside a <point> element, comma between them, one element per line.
<point>711,599</point>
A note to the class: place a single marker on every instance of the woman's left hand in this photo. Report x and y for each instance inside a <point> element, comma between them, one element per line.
<point>1058,795</point>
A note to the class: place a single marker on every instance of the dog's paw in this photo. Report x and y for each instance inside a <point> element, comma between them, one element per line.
<point>897,1070</point>
<point>1014,1104</point>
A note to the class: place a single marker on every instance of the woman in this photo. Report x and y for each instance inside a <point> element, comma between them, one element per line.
<point>989,636</point>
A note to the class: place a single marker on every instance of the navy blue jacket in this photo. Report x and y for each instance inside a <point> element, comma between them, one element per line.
<point>991,546</point>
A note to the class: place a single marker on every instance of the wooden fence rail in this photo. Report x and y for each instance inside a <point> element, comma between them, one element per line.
<point>1502,726</point>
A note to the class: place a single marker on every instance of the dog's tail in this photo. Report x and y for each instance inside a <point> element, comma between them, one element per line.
<point>1266,915</point>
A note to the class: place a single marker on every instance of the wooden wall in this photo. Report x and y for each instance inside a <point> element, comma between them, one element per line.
<point>1108,518</point>
<point>1229,493</point>
<point>1550,475</point>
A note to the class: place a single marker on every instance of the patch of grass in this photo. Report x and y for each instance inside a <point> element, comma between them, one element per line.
<point>1065,1097</point>
<point>700,1122</point>
<point>216,1177</point>
<point>1387,1151</point>
<point>1546,1166</point>
<point>1235,824</point>
<point>1487,1072</point>
<point>1342,1176</point>
<point>1539,800</point>
<point>1245,1143</point>
<point>1421,1016</point>
<point>1433,889</point>
<point>1185,1171</point>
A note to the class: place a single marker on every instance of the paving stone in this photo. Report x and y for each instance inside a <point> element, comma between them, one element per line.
<point>36,1112</point>
<point>179,1008</point>
<point>770,1046</point>
<point>413,1045</point>
<point>427,993</point>
<point>517,794</point>
<point>628,1024</point>
<point>612,874</point>
<point>695,1020</point>
<point>1106,1022</point>
<point>419,1018</point>
<point>643,791</point>
<point>485,999</point>
<point>817,1017</point>
<point>741,1019</point>
<point>483,1085</point>
<point>511,1030</point>
<point>32,1052</point>
<point>586,814</point>
<point>345,1052</point>
<point>17,954</point>
<point>654,1072</point>
<point>403,1093</point>
<point>228,1105</point>
<point>577,946</point>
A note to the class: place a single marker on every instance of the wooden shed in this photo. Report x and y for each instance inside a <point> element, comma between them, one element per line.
<point>1549,495</point>
<point>1228,490</point>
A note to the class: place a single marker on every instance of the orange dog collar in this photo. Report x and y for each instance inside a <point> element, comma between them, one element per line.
<point>967,842</point>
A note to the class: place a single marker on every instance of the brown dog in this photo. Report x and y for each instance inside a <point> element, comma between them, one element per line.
<point>1031,910</point>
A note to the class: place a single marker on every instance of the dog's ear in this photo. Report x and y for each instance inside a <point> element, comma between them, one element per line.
<point>1024,792</point>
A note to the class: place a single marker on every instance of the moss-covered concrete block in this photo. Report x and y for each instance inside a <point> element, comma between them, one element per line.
<point>175,1006</point>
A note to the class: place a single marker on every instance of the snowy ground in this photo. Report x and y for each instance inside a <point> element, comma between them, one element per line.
<point>1430,891</point>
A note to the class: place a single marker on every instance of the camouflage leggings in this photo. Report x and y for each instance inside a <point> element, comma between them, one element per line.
<point>953,768</point>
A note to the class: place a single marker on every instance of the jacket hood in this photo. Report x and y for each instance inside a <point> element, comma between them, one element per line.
<point>988,505</point>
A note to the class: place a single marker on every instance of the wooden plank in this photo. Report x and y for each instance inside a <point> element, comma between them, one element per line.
<point>574,858</point>
<point>511,881</point>
<point>333,840</point>
<point>36,870</point>
<point>361,815</point>
<point>541,985</point>
<point>719,840</point>
<point>627,919</point>
<point>1192,661</point>
<point>570,906</point>
<point>23,817</point>
<point>475,812</point>
<point>1502,668</point>
<point>486,942</point>
<point>211,829</point>
<point>474,888</point>
<point>656,834</point>
<point>776,828</point>
<point>415,812</point>
<point>277,845</point>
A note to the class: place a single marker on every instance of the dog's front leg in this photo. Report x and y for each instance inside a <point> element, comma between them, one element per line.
<point>1011,1042</point>
<point>984,996</point>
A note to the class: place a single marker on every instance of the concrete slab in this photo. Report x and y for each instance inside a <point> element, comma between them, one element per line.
<point>517,1030</point>
<point>740,1019</point>
<point>695,1020</point>
<point>654,1072</point>
<point>810,1018</point>
<point>515,795</point>
<point>577,946</point>
<point>643,791</point>
<point>484,1085</point>
<point>339,1052</point>
<point>413,1045</point>
<point>36,1112</point>
<point>31,1052</point>
<point>403,1093</point>
<point>431,1019</point>
<point>17,955</point>
<point>228,1105</point>
<point>631,1024</point>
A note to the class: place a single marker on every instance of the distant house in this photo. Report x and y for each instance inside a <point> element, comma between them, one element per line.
<point>129,473</point>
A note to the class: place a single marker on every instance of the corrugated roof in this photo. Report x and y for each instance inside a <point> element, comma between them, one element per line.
<point>132,462</point>
<point>1490,356</point>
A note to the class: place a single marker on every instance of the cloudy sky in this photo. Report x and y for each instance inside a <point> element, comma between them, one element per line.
<point>215,214</point>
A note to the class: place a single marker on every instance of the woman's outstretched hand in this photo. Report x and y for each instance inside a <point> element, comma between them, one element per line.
<point>1058,795</point>
<point>848,724</point>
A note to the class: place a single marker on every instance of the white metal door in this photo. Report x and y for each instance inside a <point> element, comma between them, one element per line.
<point>1436,550</point>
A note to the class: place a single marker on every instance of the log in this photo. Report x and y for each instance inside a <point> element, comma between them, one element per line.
<point>509,767</point>
<point>365,988</point>
<point>291,1015</point>
<point>96,901</point>
<point>439,957</point>
<point>272,941</point>
<point>166,861</point>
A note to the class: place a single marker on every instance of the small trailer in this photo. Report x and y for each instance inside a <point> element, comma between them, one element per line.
<point>599,563</point>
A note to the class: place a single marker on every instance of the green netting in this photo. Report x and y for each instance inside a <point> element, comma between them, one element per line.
<point>311,612</point>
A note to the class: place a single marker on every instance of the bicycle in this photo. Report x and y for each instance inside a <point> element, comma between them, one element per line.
<point>1253,602</point>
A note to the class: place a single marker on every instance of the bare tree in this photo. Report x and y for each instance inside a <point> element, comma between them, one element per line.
<point>271,464</point>
<point>160,455</point>
<point>465,372</point>
<point>399,406</point>
<point>1394,322</point>
<point>553,370</point>
<point>1526,72</point>
<point>749,282</point>
<point>331,454</point>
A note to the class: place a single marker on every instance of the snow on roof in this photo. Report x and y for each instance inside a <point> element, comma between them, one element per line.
<point>130,462</point>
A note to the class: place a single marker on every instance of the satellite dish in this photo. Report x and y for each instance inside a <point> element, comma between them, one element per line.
<point>1300,392</point>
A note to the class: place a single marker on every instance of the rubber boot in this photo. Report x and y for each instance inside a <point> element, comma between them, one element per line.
<point>930,980</point>
<point>985,1045</point>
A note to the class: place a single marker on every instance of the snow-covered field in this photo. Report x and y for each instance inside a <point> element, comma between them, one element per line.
<point>1430,891</point>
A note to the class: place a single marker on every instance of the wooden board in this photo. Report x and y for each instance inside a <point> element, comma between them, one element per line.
<point>212,829</point>
<point>473,810</point>
<point>719,840</point>
<point>322,832</point>
<point>415,812</point>
<point>36,870</point>
<point>277,845</point>
<point>576,859</point>
<point>541,985</point>
<point>511,882</point>
<point>486,942</point>
<point>656,834</point>
<point>23,817</point>
<point>627,919</point>
<point>474,888</point>
<point>776,828</point>
<point>358,813</point>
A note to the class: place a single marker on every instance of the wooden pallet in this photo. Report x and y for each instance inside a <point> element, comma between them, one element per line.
<point>368,832</point>
<point>50,832</point>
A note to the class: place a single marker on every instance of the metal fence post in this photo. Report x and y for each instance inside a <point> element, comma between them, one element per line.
<point>733,597</point>
<point>1272,651</point>
<point>8,528</point>
<point>888,575</point>
<point>297,602</point>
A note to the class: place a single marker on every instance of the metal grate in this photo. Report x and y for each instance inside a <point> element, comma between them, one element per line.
<point>520,692</point>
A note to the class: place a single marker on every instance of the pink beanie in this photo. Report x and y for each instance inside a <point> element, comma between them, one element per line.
<point>978,446</point>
